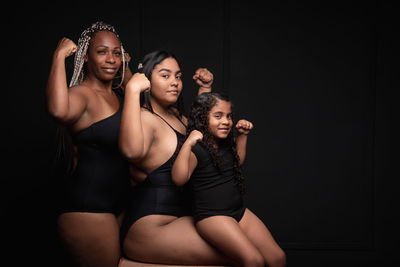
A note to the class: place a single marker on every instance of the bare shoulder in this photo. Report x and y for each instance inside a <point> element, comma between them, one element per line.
<point>149,120</point>
<point>81,90</point>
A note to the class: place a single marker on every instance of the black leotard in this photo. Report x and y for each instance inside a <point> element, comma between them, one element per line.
<point>100,181</point>
<point>214,192</point>
<point>157,194</point>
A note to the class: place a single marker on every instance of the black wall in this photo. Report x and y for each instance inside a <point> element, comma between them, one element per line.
<point>317,78</point>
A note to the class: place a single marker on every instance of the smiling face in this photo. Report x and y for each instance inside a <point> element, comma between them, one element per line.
<point>104,56</point>
<point>166,82</point>
<point>220,119</point>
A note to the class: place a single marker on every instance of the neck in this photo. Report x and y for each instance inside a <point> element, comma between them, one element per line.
<point>159,108</point>
<point>97,84</point>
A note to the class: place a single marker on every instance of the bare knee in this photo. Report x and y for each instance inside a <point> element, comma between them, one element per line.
<point>277,259</point>
<point>253,260</point>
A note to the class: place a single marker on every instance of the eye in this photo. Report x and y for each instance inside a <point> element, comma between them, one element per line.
<point>117,53</point>
<point>101,52</point>
<point>179,77</point>
<point>166,76</point>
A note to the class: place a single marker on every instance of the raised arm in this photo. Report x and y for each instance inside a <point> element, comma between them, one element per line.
<point>204,79</point>
<point>63,104</point>
<point>134,137</point>
<point>186,161</point>
<point>243,127</point>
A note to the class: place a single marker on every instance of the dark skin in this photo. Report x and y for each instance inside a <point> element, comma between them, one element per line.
<point>92,239</point>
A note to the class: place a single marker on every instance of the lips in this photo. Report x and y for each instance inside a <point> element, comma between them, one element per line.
<point>173,92</point>
<point>224,130</point>
<point>109,70</point>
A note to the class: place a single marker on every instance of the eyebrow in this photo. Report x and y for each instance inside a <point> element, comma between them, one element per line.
<point>117,47</point>
<point>167,70</point>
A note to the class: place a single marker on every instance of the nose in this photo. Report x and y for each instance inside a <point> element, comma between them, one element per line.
<point>110,58</point>
<point>175,82</point>
<point>225,120</point>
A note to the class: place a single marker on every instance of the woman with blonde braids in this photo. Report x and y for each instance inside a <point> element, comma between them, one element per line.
<point>97,177</point>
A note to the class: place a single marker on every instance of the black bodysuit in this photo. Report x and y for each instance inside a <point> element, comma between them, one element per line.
<point>157,194</point>
<point>100,181</point>
<point>213,192</point>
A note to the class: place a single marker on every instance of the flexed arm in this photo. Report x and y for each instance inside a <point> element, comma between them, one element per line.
<point>243,127</point>
<point>204,79</point>
<point>134,136</point>
<point>186,161</point>
<point>62,105</point>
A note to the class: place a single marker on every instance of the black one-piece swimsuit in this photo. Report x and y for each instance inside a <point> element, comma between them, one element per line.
<point>214,192</point>
<point>100,180</point>
<point>157,194</point>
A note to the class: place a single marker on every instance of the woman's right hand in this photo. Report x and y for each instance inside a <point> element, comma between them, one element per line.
<point>65,48</point>
<point>194,137</point>
<point>138,81</point>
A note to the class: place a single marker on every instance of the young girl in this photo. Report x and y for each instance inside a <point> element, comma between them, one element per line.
<point>211,156</point>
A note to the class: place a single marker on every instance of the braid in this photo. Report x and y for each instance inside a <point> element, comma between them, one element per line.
<point>83,45</point>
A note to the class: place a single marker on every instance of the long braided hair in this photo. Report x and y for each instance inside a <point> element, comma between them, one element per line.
<point>198,119</point>
<point>83,44</point>
<point>63,164</point>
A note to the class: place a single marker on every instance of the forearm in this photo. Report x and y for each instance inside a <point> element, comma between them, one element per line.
<point>57,89</point>
<point>181,167</point>
<point>131,136</point>
<point>241,144</point>
<point>203,89</point>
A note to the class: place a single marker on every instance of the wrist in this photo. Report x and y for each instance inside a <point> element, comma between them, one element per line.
<point>133,89</point>
<point>58,56</point>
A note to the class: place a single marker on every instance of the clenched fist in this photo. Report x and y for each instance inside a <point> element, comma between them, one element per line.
<point>244,127</point>
<point>203,78</point>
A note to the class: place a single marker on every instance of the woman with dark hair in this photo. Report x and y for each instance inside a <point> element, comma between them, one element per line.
<point>156,225</point>
<point>95,179</point>
<point>211,159</point>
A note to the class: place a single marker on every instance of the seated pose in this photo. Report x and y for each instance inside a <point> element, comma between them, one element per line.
<point>211,158</point>
<point>156,227</point>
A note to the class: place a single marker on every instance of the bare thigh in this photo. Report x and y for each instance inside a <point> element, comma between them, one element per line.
<point>91,239</point>
<point>225,234</point>
<point>261,237</point>
<point>169,240</point>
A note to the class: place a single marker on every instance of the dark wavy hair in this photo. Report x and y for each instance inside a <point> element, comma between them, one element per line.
<point>147,65</point>
<point>198,119</point>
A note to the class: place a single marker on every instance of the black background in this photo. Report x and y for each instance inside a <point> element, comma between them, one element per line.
<point>317,78</point>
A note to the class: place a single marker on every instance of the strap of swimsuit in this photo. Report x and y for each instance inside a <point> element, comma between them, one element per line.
<point>168,123</point>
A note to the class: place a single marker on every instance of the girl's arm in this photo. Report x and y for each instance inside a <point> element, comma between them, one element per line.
<point>186,161</point>
<point>135,135</point>
<point>244,127</point>
<point>204,79</point>
<point>63,104</point>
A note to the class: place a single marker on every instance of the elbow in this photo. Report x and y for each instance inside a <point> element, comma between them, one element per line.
<point>57,114</point>
<point>131,155</point>
<point>57,111</point>
<point>179,182</point>
<point>177,178</point>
